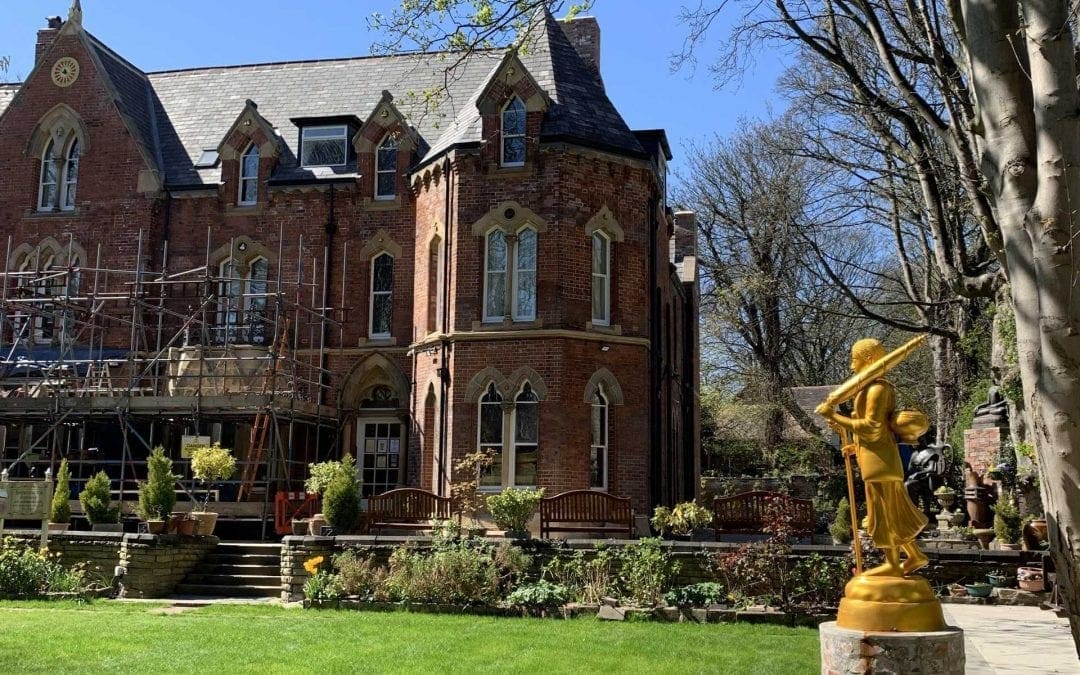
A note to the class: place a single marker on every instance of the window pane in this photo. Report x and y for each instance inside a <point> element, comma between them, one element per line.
<point>526,296</point>
<point>383,274</point>
<point>491,420</point>
<point>493,476</point>
<point>250,193</point>
<point>494,305</point>
<point>527,417</point>
<point>48,195</point>
<point>251,163</point>
<point>597,467</point>
<point>496,253</point>
<point>514,150</point>
<point>51,166</point>
<point>386,184</point>
<point>599,424</point>
<point>599,298</point>
<point>382,310</point>
<point>525,465</point>
<point>600,264</point>
<point>323,152</point>
<point>388,155</point>
<point>514,118</point>
<point>526,250</point>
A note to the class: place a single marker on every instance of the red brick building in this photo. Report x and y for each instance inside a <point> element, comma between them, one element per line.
<point>299,259</point>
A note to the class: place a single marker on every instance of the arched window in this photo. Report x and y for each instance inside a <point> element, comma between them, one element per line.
<point>526,437</point>
<point>598,449</point>
<point>249,176</point>
<point>255,301</point>
<point>601,279</point>
<point>382,295</point>
<point>525,276</point>
<point>495,276</point>
<point>71,175</point>
<point>513,133</point>
<point>490,436</point>
<point>386,168</point>
<point>230,295</point>
<point>50,179</point>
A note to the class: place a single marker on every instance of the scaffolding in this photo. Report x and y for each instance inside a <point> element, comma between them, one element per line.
<point>143,357</point>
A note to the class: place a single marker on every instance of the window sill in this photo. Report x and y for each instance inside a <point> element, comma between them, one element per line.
<point>377,342</point>
<point>35,214</point>
<point>483,326</point>
<point>615,329</point>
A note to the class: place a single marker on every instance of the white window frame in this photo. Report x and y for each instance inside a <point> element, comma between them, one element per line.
<point>500,455</point>
<point>344,137</point>
<point>511,471</point>
<point>255,304</point>
<point>605,275</point>
<point>371,297</point>
<point>229,311</point>
<point>69,188</point>
<point>361,452</point>
<point>379,170</point>
<point>600,401</point>
<point>516,286</point>
<point>493,318</point>
<point>246,178</point>
<point>47,159</point>
<point>503,135</point>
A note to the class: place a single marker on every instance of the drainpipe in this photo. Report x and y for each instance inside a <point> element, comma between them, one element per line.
<point>444,371</point>
<point>655,326</point>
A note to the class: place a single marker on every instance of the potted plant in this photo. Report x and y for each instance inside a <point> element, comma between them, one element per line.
<point>60,508</point>
<point>319,476</point>
<point>687,521</point>
<point>1031,579</point>
<point>341,502</point>
<point>96,501</point>
<point>1007,525</point>
<point>945,496</point>
<point>1000,579</point>
<point>511,510</point>
<point>157,495</point>
<point>210,464</point>
<point>957,591</point>
<point>840,528</point>
<point>979,589</point>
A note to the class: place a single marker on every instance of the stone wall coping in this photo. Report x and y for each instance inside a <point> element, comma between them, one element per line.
<point>113,537</point>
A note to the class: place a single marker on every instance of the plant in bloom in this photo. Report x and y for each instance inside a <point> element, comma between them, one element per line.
<point>312,564</point>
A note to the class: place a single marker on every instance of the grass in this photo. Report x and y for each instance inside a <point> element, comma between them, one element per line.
<point>136,637</point>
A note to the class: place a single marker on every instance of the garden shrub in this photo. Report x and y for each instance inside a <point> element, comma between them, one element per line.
<point>587,578</point>
<point>538,597</point>
<point>760,573</point>
<point>1008,526</point>
<point>511,509</point>
<point>341,502</point>
<point>840,528</point>
<point>456,572</point>
<point>682,520</point>
<point>157,496</point>
<point>323,586</point>
<point>360,575</point>
<point>696,595</point>
<point>60,509</point>
<point>322,473</point>
<point>26,573</point>
<point>96,500</point>
<point>645,571</point>
<point>819,581</point>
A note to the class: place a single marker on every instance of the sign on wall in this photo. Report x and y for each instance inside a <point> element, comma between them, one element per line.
<point>189,443</point>
<point>26,500</point>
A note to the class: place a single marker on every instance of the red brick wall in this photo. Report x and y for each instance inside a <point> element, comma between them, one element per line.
<point>981,447</point>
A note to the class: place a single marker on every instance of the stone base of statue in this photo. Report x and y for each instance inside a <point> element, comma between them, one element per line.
<point>882,603</point>
<point>845,651</point>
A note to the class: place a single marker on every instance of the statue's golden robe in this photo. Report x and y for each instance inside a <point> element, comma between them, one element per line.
<point>892,519</point>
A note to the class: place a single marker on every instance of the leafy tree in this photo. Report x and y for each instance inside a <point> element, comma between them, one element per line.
<point>60,509</point>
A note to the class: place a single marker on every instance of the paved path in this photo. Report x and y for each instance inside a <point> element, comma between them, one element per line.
<point>1007,640</point>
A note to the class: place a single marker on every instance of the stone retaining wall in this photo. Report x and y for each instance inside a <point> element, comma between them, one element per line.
<point>945,567</point>
<point>154,563</point>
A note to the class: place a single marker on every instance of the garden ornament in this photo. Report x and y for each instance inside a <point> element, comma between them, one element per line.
<point>888,597</point>
<point>926,473</point>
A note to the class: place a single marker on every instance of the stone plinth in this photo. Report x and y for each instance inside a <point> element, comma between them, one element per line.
<point>845,652</point>
<point>982,446</point>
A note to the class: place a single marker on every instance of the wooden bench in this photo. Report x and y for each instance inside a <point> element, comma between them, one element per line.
<point>746,513</point>
<point>407,509</point>
<point>586,511</point>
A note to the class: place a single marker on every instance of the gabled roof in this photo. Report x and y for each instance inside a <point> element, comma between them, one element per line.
<point>176,115</point>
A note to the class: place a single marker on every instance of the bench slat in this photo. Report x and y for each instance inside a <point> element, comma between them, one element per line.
<point>604,513</point>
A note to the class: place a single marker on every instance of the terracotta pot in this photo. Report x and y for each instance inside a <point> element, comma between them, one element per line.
<point>1031,579</point>
<point>985,536</point>
<point>59,527</point>
<point>316,524</point>
<point>1005,546</point>
<point>1038,527</point>
<point>181,524</point>
<point>299,527</point>
<point>205,521</point>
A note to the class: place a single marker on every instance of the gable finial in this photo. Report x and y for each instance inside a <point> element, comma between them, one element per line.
<point>75,13</point>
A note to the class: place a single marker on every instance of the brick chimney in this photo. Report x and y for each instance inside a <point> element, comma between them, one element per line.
<point>584,33</point>
<point>46,35</point>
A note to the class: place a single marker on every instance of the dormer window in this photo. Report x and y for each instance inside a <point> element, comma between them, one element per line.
<point>249,177</point>
<point>324,146</point>
<point>386,168</point>
<point>513,133</point>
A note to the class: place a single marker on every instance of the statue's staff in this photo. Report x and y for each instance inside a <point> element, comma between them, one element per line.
<point>847,391</point>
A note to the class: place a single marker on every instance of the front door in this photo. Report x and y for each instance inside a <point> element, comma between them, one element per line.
<point>381,454</point>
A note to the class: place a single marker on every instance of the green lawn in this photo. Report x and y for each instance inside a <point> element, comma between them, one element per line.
<point>131,637</point>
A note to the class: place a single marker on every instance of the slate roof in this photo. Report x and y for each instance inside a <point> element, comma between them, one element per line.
<point>7,92</point>
<point>175,115</point>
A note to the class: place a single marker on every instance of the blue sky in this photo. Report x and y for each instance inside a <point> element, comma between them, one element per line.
<point>638,36</point>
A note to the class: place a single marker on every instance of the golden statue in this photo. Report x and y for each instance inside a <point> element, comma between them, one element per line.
<point>888,597</point>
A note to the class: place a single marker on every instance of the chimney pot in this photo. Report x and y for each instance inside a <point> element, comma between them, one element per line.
<point>54,22</point>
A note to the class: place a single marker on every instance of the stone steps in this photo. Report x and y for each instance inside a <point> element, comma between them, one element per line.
<point>236,570</point>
